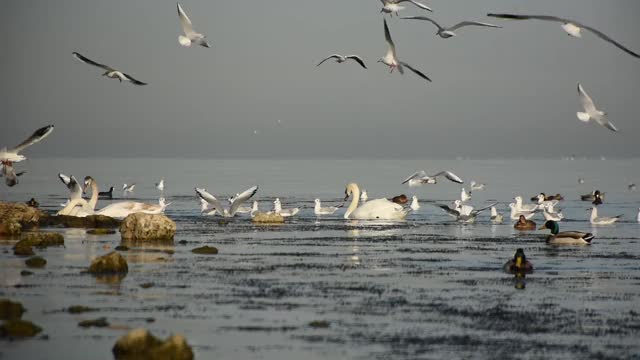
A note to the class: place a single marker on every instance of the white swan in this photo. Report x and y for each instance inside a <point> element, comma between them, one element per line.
<point>233,208</point>
<point>381,209</point>
<point>414,203</point>
<point>319,210</point>
<point>277,208</point>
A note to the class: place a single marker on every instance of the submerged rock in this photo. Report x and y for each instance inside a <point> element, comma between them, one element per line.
<point>147,227</point>
<point>26,273</point>
<point>268,218</point>
<point>101,231</point>
<point>141,344</point>
<point>319,324</point>
<point>10,227</point>
<point>79,309</point>
<point>122,248</point>
<point>205,250</point>
<point>99,322</point>
<point>19,329</point>
<point>23,249</point>
<point>42,239</point>
<point>10,310</point>
<point>111,263</point>
<point>36,262</point>
<point>91,221</point>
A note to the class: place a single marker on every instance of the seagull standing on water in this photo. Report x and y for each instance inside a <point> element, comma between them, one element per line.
<point>590,112</point>
<point>342,58</point>
<point>190,36</point>
<point>445,32</point>
<point>392,6</point>
<point>391,59</point>
<point>109,71</point>
<point>319,210</point>
<point>572,28</point>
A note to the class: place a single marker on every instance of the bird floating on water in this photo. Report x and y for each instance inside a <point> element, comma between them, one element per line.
<point>519,264</point>
<point>602,220</point>
<point>109,71</point>
<point>319,210</point>
<point>447,32</point>
<point>565,237</point>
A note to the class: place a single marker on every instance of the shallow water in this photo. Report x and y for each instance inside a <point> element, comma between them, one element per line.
<point>423,288</point>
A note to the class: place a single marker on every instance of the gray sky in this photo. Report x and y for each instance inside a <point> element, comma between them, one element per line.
<point>496,92</point>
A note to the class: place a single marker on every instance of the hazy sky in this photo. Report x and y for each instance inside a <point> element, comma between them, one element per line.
<point>495,92</point>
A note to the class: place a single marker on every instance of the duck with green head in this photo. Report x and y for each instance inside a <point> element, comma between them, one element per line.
<point>565,237</point>
<point>519,264</point>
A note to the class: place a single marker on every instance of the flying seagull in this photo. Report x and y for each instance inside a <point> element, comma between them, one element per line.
<point>341,58</point>
<point>391,6</point>
<point>446,33</point>
<point>391,59</point>
<point>109,71</point>
<point>11,177</point>
<point>420,178</point>
<point>191,35</point>
<point>9,156</point>
<point>233,208</point>
<point>590,111</point>
<point>75,190</point>
<point>571,27</point>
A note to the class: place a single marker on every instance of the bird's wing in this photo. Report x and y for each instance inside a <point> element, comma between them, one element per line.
<point>420,5</point>
<point>244,196</point>
<point>604,37</point>
<point>472,23</point>
<point>585,99</point>
<point>387,36</point>
<point>133,80</point>
<point>477,211</point>
<point>65,179</point>
<point>75,191</point>
<point>334,56</point>
<point>531,17</point>
<point>187,27</point>
<point>417,72</point>
<point>449,210</point>
<point>450,176</point>
<point>203,194</point>
<point>21,173</point>
<point>91,62</point>
<point>37,135</point>
<point>358,59</point>
<point>424,18</point>
<point>610,126</point>
<point>417,174</point>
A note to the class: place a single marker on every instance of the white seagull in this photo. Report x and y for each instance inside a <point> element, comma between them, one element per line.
<point>571,27</point>
<point>204,208</point>
<point>277,208</point>
<point>364,196</point>
<point>420,178</point>
<point>241,209</point>
<point>75,190</point>
<point>476,186</point>
<point>10,156</point>
<point>447,32</point>
<point>414,203</point>
<point>515,212</point>
<point>319,210</point>
<point>11,177</point>
<point>496,218</point>
<point>191,35</point>
<point>463,213</point>
<point>391,59</point>
<point>549,213</point>
<point>342,58</point>
<point>464,195</point>
<point>638,217</point>
<point>231,210</point>
<point>590,111</point>
<point>602,220</point>
<point>520,206</point>
<point>392,6</point>
<point>160,185</point>
<point>128,188</point>
<point>109,71</point>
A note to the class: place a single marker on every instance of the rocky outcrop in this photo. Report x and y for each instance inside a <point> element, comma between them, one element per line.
<point>205,250</point>
<point>268,218</point>
<point>141,344</point>
<point>147,227</point>
<point>89,222</point>
<point>10,310</point>
<point>112,263</point>
<point>19,329</point>
<point>15,217</point>
<point>36,262</point>
<point>38,239</point>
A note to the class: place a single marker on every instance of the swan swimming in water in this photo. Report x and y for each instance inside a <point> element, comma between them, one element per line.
<point>377,209</point>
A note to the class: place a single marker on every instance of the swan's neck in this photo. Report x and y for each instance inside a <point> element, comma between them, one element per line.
<point>94,195</point>
<point>71,205</point>
<point>355,197</point>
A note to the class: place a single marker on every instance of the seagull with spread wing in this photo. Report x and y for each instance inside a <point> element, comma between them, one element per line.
<point>591,114</point>
<point>235,204</point>
<point>393,6</point>
<point>342,58</point>
<point>420,178</point>
<point>447,32</point>
<point>391,59</point>
<point>108,70</point>
<point>572,28</point>
<point>190,36</point>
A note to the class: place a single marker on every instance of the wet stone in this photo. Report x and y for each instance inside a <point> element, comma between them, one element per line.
<point>99,322</point>
<point>205,250</point>
<point>122,248</point>
<point>41,239</point>
<point>268,218</point>
<point>141,344</point>
<point>10,310</point>
<point>319,324</point>
<point>11,228</point>
<point>23,250</point>
<point>26,273</point>
<point>147,285</point>
<point>36,262</point>
<point>140,227</point>
<point>101,231</point>
<point>19,329</point>
<point>79,309</point>
<point>111,263</point>
<point>91,221</point>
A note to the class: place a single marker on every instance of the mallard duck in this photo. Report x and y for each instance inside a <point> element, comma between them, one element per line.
<point>33,203</point>
<point>519,264</point>
<point>565,237</point>
<point>524,224</point>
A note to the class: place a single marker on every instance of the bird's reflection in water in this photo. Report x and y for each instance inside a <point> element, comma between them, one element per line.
<point>519,281</point>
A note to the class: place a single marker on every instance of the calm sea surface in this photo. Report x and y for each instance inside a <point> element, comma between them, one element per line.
<point>424,288</point>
